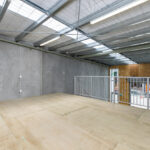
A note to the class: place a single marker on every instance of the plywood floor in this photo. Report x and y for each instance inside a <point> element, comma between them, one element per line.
<point>68,122</point>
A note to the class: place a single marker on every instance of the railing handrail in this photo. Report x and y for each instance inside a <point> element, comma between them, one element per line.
<point>114,76</point>
<point>108,87</point>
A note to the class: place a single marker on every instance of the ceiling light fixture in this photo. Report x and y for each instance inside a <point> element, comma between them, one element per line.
<point>120,10</point>
<point>52,40</point>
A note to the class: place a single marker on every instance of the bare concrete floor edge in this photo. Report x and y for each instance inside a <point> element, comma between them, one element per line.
<point>68,122</point>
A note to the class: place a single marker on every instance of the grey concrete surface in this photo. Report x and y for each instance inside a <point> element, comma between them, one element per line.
<point>59,72</point>
<point>42,73</point>
<point>15,60</point>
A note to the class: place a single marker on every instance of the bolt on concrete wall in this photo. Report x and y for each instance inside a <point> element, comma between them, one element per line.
<point>20,72</point>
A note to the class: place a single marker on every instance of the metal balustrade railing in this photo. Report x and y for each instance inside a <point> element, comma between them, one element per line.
<point>133,91</point>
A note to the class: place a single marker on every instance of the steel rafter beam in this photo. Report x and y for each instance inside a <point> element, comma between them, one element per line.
<point>131,42</point>
<point>81,50</point>
<point>80,47</point>
<point>120,25</point>
<point>44,18</point>
<point>67,43</point>
<point>52,36</point>
<point>87,19</point>
<point>109,8</point>
<point>98,16</point>
<point>145,51</point>
<point>120,50</point>
<point>127,35</point>
<point>140,18</point>
<point>72,49</point>
<point>77,48</point>
<point>4,9</point>
<point>34,6</point>
<point>123,36</point>
<point>62,44</point>
<point>29,45</point>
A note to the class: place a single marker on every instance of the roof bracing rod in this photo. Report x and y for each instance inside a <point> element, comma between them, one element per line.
<point>36,24</point>
<point>4,9</point>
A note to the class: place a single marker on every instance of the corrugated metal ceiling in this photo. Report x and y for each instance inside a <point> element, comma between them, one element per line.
<point>121,30</point>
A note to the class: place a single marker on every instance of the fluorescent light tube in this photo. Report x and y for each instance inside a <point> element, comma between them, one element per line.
<point>52,40</point>
<point>119,10</point>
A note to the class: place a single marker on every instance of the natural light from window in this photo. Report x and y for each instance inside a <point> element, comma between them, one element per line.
<point>122,58</point>
<point>55,25</point>
<point>101,48</point>
<point>25,10</point>
<point>90,42</point>
<point>1,2</point>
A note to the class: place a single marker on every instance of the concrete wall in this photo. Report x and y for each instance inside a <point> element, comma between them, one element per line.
<point>13,61</point>
<point>59,72</point>
<point>42,73</point>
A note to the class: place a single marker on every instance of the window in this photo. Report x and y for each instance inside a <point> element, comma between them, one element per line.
<point>101,48</point>
<point>55,25</point>
<point>25,10</point>
<point>122,58</point>
<point>89,42</point>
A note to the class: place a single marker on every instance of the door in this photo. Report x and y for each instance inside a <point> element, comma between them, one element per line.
<point>114,73</point>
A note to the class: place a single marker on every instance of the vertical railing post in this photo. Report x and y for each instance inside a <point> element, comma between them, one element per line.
<point>74,85</point>
<point>130,81</point>
<point>114,91</point>
<point>82,86</point>
<point>110,89</point>
<point>118,89</point>
<point>147,93</point>
<point>91,86</point>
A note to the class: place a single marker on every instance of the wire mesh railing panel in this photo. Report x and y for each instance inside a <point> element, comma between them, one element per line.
<point>91,86</point>
<point>134,91</point>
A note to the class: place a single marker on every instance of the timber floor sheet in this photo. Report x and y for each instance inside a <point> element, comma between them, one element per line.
<point>69,122</point>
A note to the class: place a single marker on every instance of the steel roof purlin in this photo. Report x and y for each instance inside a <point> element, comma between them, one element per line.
<point>120,50</point>
<point>87,19</point>
<point>45,17</point>
<point>4,9</point>
<point>120,34</point>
